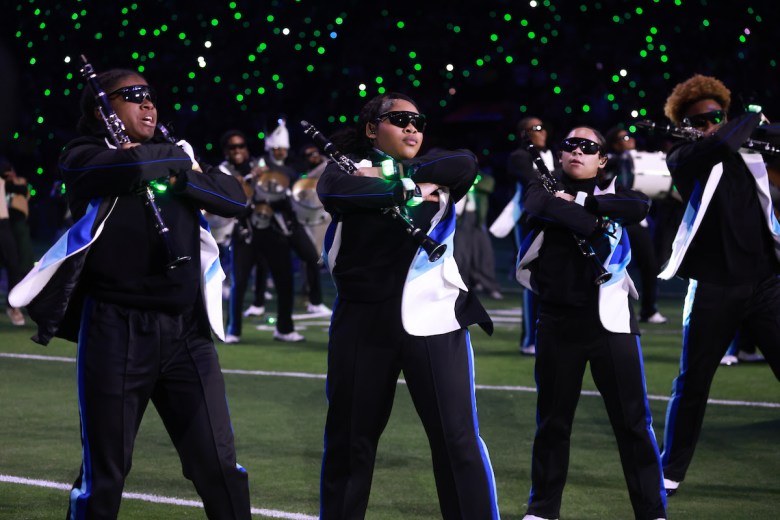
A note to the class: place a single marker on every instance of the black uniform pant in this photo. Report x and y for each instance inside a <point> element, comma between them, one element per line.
<point>713,314</point>
<point>276,249</point>
<point>565,344</point>
<point>127,357</point>
<point>9,255</point>
<point>367,351</point>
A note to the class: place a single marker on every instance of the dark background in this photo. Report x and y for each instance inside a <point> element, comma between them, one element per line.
<point>307,59</point>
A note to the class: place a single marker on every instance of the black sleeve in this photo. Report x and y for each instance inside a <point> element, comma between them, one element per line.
<point>548,208</point>
<point>455,170</point>
<point>626,206</point>
<point>20,189</point>
<point>212,190</point>
<point>91,169</point>
<point>341,192</point>
<point>520,167</point>
<point>691,161</point>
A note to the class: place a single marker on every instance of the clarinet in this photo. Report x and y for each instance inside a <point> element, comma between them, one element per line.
<point>429,245</point>
<point>689,133</point>
<point>550,184</point>
<point>116,130</point>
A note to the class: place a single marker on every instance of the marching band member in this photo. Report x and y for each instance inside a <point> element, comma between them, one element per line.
<point>728,246</point>
<point>581,322</point>
<point>142,327</point>
<point>397,311</point>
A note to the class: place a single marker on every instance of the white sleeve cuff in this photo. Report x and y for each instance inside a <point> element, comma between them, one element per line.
<point>580,198</point>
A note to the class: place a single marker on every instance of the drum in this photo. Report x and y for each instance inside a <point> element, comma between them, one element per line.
<point>271,186</point>
<point>651,175</point>
<point>261,216</point>
<point>306,204</point>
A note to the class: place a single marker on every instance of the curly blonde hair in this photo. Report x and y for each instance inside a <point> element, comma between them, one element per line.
<point>692,90</point>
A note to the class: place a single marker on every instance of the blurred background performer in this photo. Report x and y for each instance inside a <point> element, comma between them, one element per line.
<point>522,169</point>
<point>728,246</point>
<point>581,322</point>
<point>142,327</point>
<point>397,311</point>
<point>620,165</point>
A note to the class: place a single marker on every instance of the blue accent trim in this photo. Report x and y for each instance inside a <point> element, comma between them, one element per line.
<point>480,443</point>
<point>122,165</point>
<point>678,385</point>
<point>80,496</point>
<point>649,420</point>
<point>422,165</point>
<point>195,186</point>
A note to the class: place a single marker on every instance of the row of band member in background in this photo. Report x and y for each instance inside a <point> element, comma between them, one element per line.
<point>124,285</point>
<point>16,251</point>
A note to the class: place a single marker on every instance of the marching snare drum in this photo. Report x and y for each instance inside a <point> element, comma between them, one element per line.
<point>651,175</point>
<point>306,204</point>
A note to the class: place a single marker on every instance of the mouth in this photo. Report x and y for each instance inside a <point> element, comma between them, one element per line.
<point>148,121</point>
<point>411,141</point>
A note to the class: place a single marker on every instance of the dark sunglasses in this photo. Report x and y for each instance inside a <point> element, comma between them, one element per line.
<point>236,146</point>
<point>402,119</point>
<point>700,120</point>
<point>536,128</point>
<point>587,146</point>
<point>136,94</point>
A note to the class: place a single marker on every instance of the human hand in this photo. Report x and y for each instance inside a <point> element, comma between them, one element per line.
<point>369,172</point>
<point>429,192</point>
<point>565,196</point>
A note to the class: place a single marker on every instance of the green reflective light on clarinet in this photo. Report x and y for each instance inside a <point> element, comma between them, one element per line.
<point>414,201</point>
<point>388,168</point>
<point>159,187</point>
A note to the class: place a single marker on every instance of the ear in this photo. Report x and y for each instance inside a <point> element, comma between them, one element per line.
<point>97,114</point>
<point>371,130</point>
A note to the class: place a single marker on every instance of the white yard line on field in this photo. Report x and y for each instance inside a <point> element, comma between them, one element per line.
<point>500,388</point>
<point>157,499</point>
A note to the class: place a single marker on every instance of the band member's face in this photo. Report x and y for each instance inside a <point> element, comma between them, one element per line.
<point>280,154</point>
<point>580,165</point>
<point>706,115</point>
<point>398,143</point>
<point>236,150</point>
<point>536,133</point>
<point>140,119</point>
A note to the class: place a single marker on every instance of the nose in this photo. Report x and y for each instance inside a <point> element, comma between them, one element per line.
<point>410,128</point>
<point>147,102</point>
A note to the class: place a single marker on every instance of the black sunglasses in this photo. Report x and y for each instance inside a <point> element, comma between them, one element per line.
<point>136,94</point>
<point>402,119</point>
<point>587,146</point>
<point>700,120</point>
<point>236,146</point>
<point>536,128</point>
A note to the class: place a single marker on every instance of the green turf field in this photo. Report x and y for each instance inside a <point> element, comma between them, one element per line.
<point>278,417</point>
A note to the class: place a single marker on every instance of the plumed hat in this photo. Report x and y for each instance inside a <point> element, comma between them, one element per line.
<point>279,138</point>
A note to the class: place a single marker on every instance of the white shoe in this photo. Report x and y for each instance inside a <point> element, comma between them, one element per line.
<point>671,486</point>
<point>729,360</point>
<point>530,350</point>
<point>657,318</point>
<point>290,337</point>
<point>534,517</point>
<point>254,311</point>
<point>15,315</point>
<point>231,339</point>
<point>750,357</point>
<point>318,309</point>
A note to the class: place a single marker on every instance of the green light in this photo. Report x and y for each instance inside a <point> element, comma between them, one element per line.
<point>251,57</point>
<point>417,67</point>
<point>507,17</point>
<point>310,68</point>
<point>557,89</point>
<point>237,16</point>
<point>261,90</point>
<point>534,62</point>
<point>182,35</point>
<point>239,97</point>
<point>400,25</point>
<point>191,75</point>
<point>32,61</point>
<point>586,108</point>
<point>412,54</point>
<point>388,167</point>
<point>531,35</point>
<point>705,23</point>
<point>47,92</point>
<point>39,170</point>
<point>494,37</point>
<point>615,78</point>
<point>142,31</point>
<point>339,20</point>
<point>509,59</point>
<point>643,53</point>
<point>177,106</point>
<point>194,108</point>
<point>270,18</point>
<point>664,58</point>
<point>480,62</point>
<point>639,10</point>
<point>379,80</point>
<point>320,50</point>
